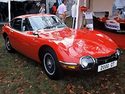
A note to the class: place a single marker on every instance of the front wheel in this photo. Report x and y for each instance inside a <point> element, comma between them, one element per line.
<point>8,46</point>
<point>51,65</point>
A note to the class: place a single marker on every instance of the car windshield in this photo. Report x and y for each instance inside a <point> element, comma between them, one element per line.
<point>46,22</point>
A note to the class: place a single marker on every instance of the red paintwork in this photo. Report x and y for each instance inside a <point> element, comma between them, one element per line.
<point>103,19</point>
<point>69,45</point>
<point>118,38</point>
<point>83,8</point>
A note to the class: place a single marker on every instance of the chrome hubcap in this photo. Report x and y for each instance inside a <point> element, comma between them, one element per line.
<point>49,63</point>
<point>8,46</point>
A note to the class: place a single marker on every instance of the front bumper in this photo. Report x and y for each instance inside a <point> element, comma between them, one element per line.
<point>99,61</point>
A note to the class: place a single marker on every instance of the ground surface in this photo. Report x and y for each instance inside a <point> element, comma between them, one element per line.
<point>21,75</point>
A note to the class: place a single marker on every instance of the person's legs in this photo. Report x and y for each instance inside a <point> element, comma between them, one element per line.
<point>113,10</point>
<point>62,17</point>
<point>73,23</point>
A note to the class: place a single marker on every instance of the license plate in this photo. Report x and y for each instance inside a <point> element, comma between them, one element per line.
<point>107,66</point>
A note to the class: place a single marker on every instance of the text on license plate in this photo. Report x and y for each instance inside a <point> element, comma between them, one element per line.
<point>107,66</point>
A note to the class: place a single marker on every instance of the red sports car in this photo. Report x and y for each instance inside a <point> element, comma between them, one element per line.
<point>47,40</point>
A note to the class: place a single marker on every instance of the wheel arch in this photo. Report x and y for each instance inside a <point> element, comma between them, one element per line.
<point>58,70</point>
<point>44,48</point>
<point>5,35</point>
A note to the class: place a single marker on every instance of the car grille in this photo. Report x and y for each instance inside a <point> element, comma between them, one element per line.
<point>107,59</point>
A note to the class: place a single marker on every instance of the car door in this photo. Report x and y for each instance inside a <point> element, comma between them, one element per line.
<point>30,41</point>
<point>22,38</point>
<point>16,38</point>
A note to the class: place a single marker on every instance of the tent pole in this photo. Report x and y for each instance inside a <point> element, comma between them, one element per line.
<point>47,6</point>
<point>9,10</point>
<point>77,14</point>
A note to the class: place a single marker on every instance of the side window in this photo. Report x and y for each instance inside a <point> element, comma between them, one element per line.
<point>11,23</point>
<point>16,24</point>
<point>26,25</point>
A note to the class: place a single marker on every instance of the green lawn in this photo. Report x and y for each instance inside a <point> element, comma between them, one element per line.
<point>21,75</point>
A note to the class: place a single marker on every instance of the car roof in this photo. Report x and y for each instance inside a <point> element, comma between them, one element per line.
<point>33,15</point>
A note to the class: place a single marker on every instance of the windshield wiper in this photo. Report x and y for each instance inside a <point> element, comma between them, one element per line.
<point>49,27</point>
<point>39,29</point>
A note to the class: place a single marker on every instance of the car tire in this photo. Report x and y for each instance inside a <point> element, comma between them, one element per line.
<point>51,64</point>
<point>8,46</point>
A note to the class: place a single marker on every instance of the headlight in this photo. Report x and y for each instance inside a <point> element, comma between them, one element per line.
<point>87,62</point>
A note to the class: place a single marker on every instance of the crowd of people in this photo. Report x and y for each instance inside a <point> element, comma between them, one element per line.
<point>61,10</point>
<point>32,7</point>
<point>20,8</point>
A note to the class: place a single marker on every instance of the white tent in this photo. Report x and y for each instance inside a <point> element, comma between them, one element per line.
<point>79,14</point>
<point>9,5</point>
<point>4,1</point>
<point>7,1</point>
<point>119,3</point>
<point>13,0</point>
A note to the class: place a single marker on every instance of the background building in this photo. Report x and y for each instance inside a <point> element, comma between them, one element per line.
<point>100,6</point>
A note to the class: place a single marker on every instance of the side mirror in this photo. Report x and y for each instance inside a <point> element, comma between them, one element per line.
<point>35,33</point>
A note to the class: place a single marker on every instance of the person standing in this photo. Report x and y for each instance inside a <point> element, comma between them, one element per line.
<point>42,9</point>
<point>54,9</point>
<point>61,11</point>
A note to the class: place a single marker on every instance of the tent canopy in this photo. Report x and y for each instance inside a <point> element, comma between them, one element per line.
<point>17,0</point>
<point>14,0</point>
<point>3,0</point>
<point>9,5</point>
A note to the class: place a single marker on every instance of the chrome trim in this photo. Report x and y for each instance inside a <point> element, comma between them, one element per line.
<point>66,63</point>
<point>88,68</point>
<point>88,56</point>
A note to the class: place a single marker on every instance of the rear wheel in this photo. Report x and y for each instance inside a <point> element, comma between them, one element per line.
<point>8,46</point>
<point>51,64</point>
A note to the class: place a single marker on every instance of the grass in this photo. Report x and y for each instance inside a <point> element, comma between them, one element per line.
<point>21,75</point>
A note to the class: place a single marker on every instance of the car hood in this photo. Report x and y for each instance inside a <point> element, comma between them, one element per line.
<point>77,43</point>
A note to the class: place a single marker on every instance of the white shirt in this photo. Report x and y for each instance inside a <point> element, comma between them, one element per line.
<point>74,10</point>
<point>61,9</point>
